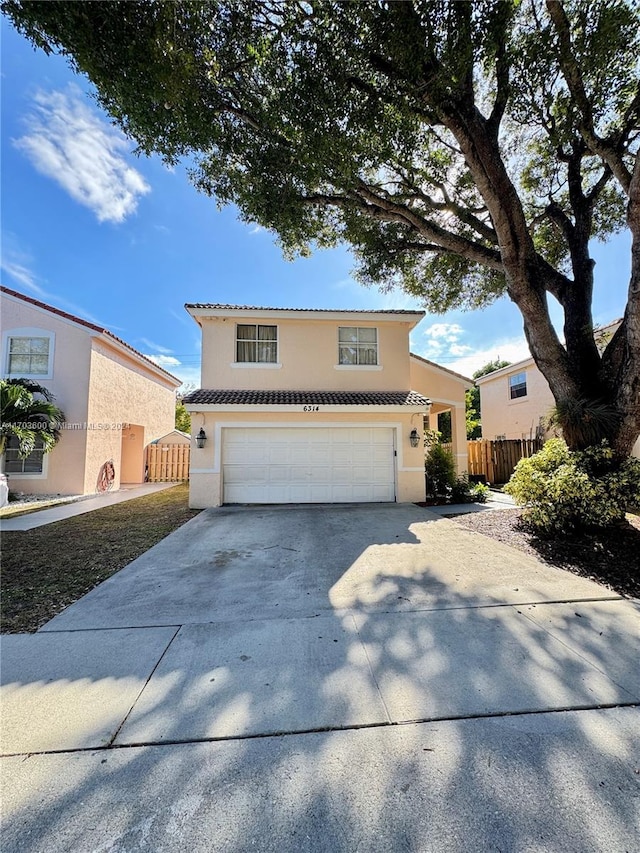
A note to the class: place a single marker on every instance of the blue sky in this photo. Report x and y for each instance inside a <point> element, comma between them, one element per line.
<point>124,242</point>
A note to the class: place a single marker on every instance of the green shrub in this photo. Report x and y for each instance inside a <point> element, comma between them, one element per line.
<point>565,490</point>
<point>440,471</point>
<point>460,490</point>
<point>464,492</point>
<point>479,492</point>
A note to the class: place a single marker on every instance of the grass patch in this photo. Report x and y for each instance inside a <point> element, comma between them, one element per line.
<point>19,508</point>
<point>46,569</point>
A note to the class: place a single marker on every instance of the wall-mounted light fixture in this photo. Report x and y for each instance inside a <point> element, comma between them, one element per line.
<point>414,438</point>
<point>201,438</point>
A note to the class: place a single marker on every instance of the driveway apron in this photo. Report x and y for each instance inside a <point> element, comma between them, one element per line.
<point>346,630</point>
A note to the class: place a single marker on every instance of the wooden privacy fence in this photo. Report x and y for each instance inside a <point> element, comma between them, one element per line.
<point>496,460</point>
<point>165,463</point>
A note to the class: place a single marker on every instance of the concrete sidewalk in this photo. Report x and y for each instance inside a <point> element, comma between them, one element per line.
<point>326,679</point>
<point>39,518</point>
<point>495,501</point>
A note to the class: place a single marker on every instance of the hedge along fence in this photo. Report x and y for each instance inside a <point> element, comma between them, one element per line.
<point>496,460</point>
<point>167,463</point>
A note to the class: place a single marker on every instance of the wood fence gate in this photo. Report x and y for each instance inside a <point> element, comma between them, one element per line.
<point>165,463</point>
<point>496,460</point>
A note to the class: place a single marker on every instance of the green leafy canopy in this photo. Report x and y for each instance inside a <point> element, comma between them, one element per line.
<point>462,149</point>
<point>322,121</point>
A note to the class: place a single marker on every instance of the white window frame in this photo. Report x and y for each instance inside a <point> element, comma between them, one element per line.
<point>524,396</point>
<point>259,364</point>
<point>376,366</point>
<point>30,475</point>
<point>27,332</point>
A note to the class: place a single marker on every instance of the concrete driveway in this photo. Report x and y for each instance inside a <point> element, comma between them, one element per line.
<point>327,678</point>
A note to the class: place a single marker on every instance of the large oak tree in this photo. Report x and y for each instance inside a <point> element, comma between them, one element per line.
<point>463,149</point>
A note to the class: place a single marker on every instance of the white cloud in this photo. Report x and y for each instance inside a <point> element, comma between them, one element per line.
<point>182,317</point>
<point>190,377</point>
<point>450,332</point>
<point>17,263</point>
<point>442,341</point>
<point>459,349</point>
<point>70,143</point>
<point>150,345</point>
<point>164,360</point>
<point>510,349</point>
<point>21,273</point>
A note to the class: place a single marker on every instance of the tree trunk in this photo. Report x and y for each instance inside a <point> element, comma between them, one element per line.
<point>574,373</point>
<point>628,396</point>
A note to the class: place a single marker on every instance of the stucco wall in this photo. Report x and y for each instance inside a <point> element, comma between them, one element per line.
<point>69,383</point>
<point>447,393</point>
<point>205,479</point>
<point>514,418</point>
<point>438,385</point>
<point>122,392</point>
<point>308,355</point>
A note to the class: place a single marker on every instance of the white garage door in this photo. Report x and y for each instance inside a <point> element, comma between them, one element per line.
<point>308,465</point>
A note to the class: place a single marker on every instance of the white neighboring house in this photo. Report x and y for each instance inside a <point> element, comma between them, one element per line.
<point>515,400</point>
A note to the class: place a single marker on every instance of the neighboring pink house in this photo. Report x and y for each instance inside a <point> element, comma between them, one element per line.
<point>516,400</point>
<point>116,401</point>
<point>314,406</point>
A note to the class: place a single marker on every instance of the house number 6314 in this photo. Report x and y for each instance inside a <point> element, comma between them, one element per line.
<point>311,408</point>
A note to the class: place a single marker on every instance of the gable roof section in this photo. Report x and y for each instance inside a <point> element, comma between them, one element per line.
<point>94,328</point>
<point>505,371</point>
<point>464,379</point>
<point>202,310</point>
<point>204,396</point>
<point>215,306</point>
<point>598,332</point>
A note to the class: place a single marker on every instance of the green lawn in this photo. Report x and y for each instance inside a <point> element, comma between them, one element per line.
<point>46,569</point>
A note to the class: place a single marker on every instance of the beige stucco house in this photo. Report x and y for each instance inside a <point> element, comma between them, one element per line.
<point>313,406</point>
<point>516,400</point>
<point>115,399</point>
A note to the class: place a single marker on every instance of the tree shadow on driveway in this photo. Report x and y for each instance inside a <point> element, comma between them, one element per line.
<point>374,726</point>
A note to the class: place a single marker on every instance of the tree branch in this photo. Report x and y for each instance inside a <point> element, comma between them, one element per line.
<point>573,77</point>
<point>376,207</point>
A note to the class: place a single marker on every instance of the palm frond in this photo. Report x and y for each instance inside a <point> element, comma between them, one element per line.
<point>584,423</point>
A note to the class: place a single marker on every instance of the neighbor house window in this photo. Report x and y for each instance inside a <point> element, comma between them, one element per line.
<point>257,344</point>
<point>357,345</point>
<point>28,356</point>
<point>31,464</point>
<point>518,385</point>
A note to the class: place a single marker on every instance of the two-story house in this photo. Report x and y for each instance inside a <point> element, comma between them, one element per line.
<point>516,401</point>
<point>116,401</point>
<point>314,406</point>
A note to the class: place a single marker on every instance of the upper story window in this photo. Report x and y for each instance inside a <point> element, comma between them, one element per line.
<point>28,356</point>
<point>357,345</point>
<point>256,344</point>
<point>518,385</point>
<point>28,353</point>
<point>31,464</point>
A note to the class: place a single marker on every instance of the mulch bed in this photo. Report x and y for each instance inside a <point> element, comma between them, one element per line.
<point>609,557</point>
